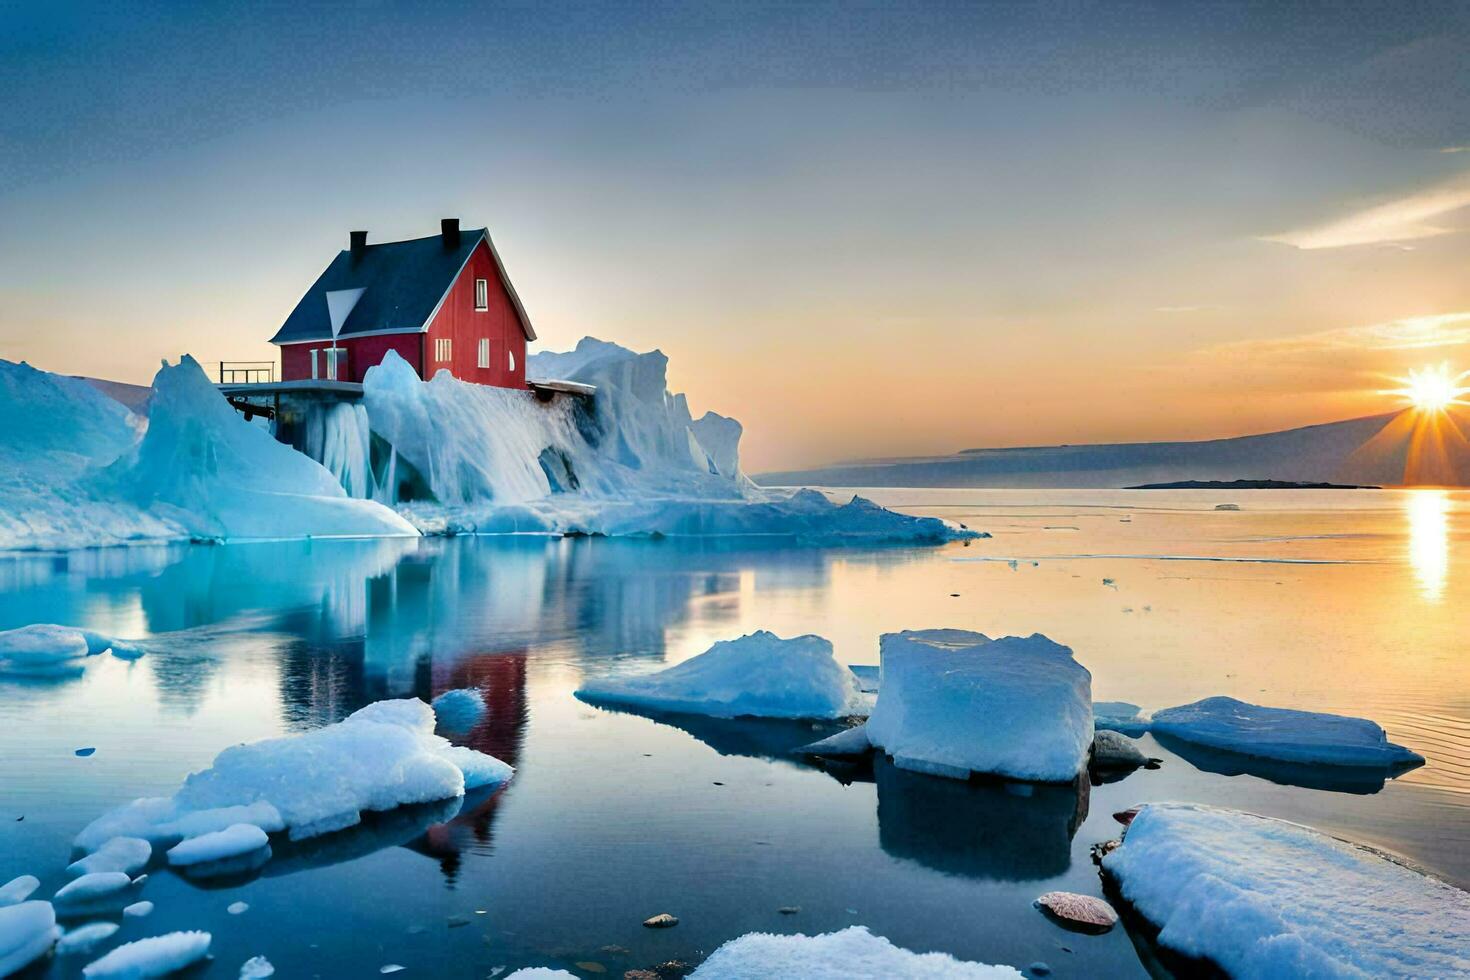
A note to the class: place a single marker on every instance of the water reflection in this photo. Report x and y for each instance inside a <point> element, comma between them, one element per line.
<point>1361,780</point>
<point>1429,539</point>
<point>994,830</point>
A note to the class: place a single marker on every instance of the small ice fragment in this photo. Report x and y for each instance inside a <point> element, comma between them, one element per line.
<point>27,931</point>
<point>392,968</point>
<point>84,939</point>
<point>17,890</point>
<point>237,908</point>
<point>846,743</point>
<point>838,956</point>
<point>138,909</point>
<point>126,854</point>
<point>156,956</point>
<point>257,968</point>
<point>234,841</point>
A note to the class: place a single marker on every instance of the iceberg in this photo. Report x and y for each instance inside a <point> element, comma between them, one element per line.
<point>156,956</point>
<point>27,932</point>
<point>852,954</point>
<point>1260,897</point>
<point>760,675</point>
<point>382,756</point>
<point>1283,734</point>
<point>953,702</point>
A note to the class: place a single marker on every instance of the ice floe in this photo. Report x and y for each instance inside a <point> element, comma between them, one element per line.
<point>126,854</point>
<point>257,968</point>
<point>758,675</point>
<point>382,756</point>
<point>92,890</point>
<point>27,932</point>
<point>848,742</point>
<point>137,910</point>
<point>46,650</point>
<point>852,954</point>
<point>156,956</point>
<point>235,840</point>
<point>1282,734</point>
<point>953,702</point>
<point>1120,716</point>
<point>84,939</point>
<point>18,889</point>
<point>1261,897</point>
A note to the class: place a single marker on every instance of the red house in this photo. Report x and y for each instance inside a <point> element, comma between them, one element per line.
<point>444,303</point>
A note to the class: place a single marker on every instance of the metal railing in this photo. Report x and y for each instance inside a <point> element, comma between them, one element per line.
<point>247,372</point>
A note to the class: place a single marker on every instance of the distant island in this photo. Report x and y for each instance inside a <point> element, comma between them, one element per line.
<point>1249,485</point>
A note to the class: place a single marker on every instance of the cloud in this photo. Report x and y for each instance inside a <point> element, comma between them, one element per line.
<point>1411,333</point>
<point>1405,218</point>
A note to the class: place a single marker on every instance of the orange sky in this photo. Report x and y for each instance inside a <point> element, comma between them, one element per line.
<point>1021,230</point>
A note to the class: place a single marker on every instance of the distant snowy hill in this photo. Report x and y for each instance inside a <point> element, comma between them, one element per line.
<point>1389,450</point>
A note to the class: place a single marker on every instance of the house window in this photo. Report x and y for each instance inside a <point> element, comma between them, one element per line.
<point>482,294</point>
<point>482,358</point>
<point>510,357</point>
<point>443,350</point>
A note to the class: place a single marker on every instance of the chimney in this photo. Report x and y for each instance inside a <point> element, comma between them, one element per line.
<point>359,243</point>
<point>449,231</point>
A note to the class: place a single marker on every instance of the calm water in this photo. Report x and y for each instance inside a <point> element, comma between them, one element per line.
<point>1342,601</point>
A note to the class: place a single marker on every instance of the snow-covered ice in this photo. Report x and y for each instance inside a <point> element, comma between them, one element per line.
<point>156,956</point>
<point>18,889</point>
<point>46,650</point>
<point>1283,734</point>
<point>1265,898</point>
<point>234,841</point>
<point>380,757</point>
<point>758,675</point>
<point>84,939</point>
<point>126,854</point>
<point>852,954</point>
<point>848,742</point>
<point>953,702</point>
<point>459,710</point>
<point>27,931</point>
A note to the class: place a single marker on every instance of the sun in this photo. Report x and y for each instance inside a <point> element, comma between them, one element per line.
<point>1433,388</point>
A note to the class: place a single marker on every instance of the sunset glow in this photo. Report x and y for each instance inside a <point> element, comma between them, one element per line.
<point>1433,388</point>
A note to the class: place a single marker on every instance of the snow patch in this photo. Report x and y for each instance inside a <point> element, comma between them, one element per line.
<point>1261,897</point>
<point>759,675</point>
<point>953,702</point>
<point>852,954</point>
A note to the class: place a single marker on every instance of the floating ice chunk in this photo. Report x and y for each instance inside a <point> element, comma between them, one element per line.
<point>852,954</point>
<point>848,742</point>
<point>17,890</point>
<point>27,931</point>
<point>84,939</point>
<point>256,968</point>
<point>1283,734</point>
<point>138,910</point>
<point>234,841</point>
<point>238,908</point>
<point>539,973</point>
<point>459,710</point>
<point>1120,716</point>
<point>383,756</point>
<point>1264,898</point>
<point>126,854</point>
<point>43,650</point>
<point>92,888</point>
<point>955,702</point>
<point>759,675</point>
<point>156,956</point>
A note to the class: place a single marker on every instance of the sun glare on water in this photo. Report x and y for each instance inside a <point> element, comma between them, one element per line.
<point>1433,389</point>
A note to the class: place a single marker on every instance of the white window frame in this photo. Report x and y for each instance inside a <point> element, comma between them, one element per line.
<point>510,356</point>
<point>482,295</point>
<point>443,350</point>
<point>482,353</point>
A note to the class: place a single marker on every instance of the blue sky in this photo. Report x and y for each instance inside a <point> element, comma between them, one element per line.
<point>1004,224</point>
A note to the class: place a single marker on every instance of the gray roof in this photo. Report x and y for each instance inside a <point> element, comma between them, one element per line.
<point>403,285</point>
